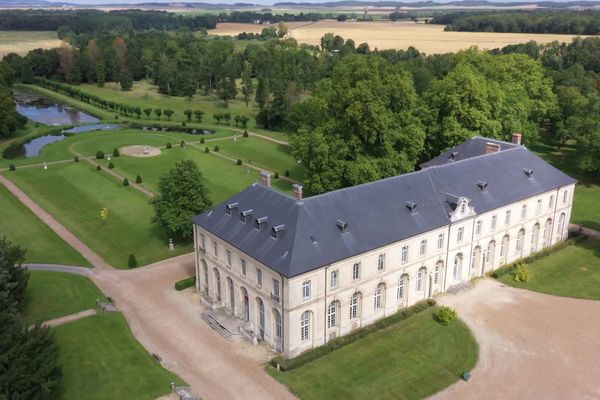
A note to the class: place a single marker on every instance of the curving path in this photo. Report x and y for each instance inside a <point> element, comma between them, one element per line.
<point>531,345</point>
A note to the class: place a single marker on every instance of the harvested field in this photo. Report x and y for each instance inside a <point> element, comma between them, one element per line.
<point>431,39</point>
<point>21,42</point>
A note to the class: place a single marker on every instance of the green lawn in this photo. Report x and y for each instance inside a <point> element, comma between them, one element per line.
<point>262,153</point>
<point>102,360</point>
<point>572,272</point>
<point>223,177</point>
<point>74,193</point>
<point>55,294</point>
<point>22,227</point>
<point>410,360</point>
<point>586,205</point>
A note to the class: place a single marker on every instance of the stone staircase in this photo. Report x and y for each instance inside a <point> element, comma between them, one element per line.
<point>223,323</point>
<point>460,287</point>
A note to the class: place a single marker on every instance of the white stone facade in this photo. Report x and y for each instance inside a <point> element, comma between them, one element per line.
<point>297,314</point>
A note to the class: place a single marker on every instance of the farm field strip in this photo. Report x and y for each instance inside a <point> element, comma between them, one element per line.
<point>21,42</point>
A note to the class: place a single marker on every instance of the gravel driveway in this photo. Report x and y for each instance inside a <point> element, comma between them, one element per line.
<point>532,345</point>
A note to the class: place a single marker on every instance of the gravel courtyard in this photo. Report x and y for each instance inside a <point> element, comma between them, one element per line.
<point>532,345</point>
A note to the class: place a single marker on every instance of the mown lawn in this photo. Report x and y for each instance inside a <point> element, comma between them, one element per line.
<point>20,226</point>
<point>51,295</point>
<point>74,193</point>
<point>410,360</point>
<point>262,153</point>
<point>222,177</point>
<point>586,205</point>
<point>572,272</point>
<point>102,360</point>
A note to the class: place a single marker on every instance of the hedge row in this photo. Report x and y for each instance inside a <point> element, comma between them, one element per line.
<point>338,343</point>
<point>508,269</point>
<point>185,283</point>
<point>167,128</point>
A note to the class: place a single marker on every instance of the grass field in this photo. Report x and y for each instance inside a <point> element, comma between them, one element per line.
<point>572,272</point>
<point>22,227</point>
<point>102,360</point>
<point>55,294</point>
<point>21,42</point>
<point>74,193</point>
<point>431,39</point>
<point>410,360</point>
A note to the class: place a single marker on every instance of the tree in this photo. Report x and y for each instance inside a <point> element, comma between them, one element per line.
<point>27,75</point>
<point>182,194</point>
<point>198,115</point>
<point>188,114</point>
<point>158,112</point>
<point>282,29</point>
<point>247,84</point>
<point>17,276</point>
<point>168,113</point>
<point>147,111</point>
<point>126,81</point>
<point>360,125</point>
<point>132,261</point>
<point>227,90</point>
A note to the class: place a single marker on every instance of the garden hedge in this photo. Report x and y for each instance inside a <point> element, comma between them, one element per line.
<point>185,283</point>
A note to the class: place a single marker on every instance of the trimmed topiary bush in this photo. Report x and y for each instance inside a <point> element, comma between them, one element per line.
<point>239,162</point>
<point>245,133</point>
<point>185,283</point>
<point>116,153</point>
<point>287,172</point>
<point>276,176</point>
<point>99,155</point>
<point>202,140</point>
<point>521,273</point>
<point>182,143</point>
<point>125,182</point>
<point>76,159</point>
<point>111,165</point>
<point>206,150</point>
<point>12,167</point>
<point>98,167</point>
<point>216,148</point>
<point>132,262</point>
<point>169,145</point>
<point>445,315</point>
<point>138,179</point>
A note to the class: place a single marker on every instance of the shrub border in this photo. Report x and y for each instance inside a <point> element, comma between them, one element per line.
<point>185,283</point>
<point>284,364</point>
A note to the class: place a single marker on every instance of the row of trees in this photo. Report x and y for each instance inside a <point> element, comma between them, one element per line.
<point>585,22</point>
<point>29,367</point>
<point>10,120</point>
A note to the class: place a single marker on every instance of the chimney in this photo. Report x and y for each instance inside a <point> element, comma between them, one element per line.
<point>491,148</point>
<point>297,191</point>
<point>516,138</point>
<point>265,178</point>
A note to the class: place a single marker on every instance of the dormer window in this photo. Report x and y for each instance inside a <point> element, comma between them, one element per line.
<point>528,172</point>
<point>230,207</point>
<point>277,230</point>
<point>259,223</point>
<point>412,207</point>
<point>454,155</point>
<point>482,185</point>
<point>463,207</point>
<point>246,215</point>
<point>342,225</point>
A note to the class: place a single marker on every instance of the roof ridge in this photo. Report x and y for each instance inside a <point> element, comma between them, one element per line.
<point>476,157</point>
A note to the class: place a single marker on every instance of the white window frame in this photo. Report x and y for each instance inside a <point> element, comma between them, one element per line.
<point>243,264</point>
<point>215,248</point>
<point>228,257</point>
<point>419,282</point>
<point>524,211</point>
<point>356,271</point>
<point>460,234</point>
<point>440,242</point>
<point>332,311</point>
<point>400,289</point>
<point>478,227</point>
<point>494,222</point>
<point>259,277</point>
<point>203,242</point>
<point>565,197</point>
<point>333,282</point>
<point>306,289</point>
<point>354,311</point>
<point>551,202</point>
<point>423,247</point>
<point>404,254</point>
<point>276,288</point>
<point>377,298</point>
<point>381,262</point>
<point>305,326</point>
<point>538,209</point>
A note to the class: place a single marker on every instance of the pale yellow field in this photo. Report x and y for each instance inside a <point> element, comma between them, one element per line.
<point>21,42</point>
<point>431,39</point>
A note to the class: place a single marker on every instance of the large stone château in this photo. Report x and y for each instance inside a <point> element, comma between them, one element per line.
<point>297,272</point>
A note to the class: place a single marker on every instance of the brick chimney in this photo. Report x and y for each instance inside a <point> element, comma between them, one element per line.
<point>516,138</point>
<point>491,148</point>
<point>297,191</point>
<point>265,178</point>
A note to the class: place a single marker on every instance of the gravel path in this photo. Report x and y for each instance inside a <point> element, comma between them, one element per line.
<point>69,318</point>
<point>531,345</point>
<point>61,268</point>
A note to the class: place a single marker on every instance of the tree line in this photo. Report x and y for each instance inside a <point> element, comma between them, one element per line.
<point>10,120</point>
<point>540,21</point>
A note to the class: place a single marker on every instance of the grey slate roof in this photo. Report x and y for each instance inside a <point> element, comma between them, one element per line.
<point>376,212</point>
<point>471,148</point>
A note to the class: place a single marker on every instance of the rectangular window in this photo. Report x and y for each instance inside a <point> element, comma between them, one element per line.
<point>381,262</point>
<point>524,211</point>
<point>258,276</point>
<point>460,234</point>
<point>404,255</point>
<point>436,274</point>
<point>243,267</point>
<point>306,290</point>
<point>538,209</point>
<point>440,240</point>
<point>507,218</point>
<point>356,271</point>
<point>565,196</point>
<point>493,225</point>
<point>215,249</point>
<point>423,248</point>
<point>228,258</point>
<point>334,279</point>
<point>275,295</point>
<point>551,202</point>
<point>478,227</point>
<point>202,242</point>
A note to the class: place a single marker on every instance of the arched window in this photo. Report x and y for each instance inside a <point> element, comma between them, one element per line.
<point>490,254</point>
<point>458,266</point>
<point>520,240</point>
<point>332,312</point>
<point>217,283</point>
<point>205,270</point>
<point>504,249</point>
<point>475,261</point>
<point>561,225</point>
<point>547,229</point>
<point>354,306</point>
<point>231,293</point>
<point>305,326</point>
<point>535,234</point>
<point>379,294</point>
<point>420,280</point>
<point>277,322</point>
<point>402,283</point>
<point>437,271</point>
<point>261,318</point>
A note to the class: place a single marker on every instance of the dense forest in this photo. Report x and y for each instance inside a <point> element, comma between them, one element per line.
<point>543,21</point>
<point>354,115</point>
<point>10,120</point>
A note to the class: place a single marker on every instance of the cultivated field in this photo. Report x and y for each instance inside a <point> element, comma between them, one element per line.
<point>21,42</point>
<point>431,39</point>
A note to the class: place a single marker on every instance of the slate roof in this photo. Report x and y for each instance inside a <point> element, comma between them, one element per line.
<point>471,148</point>
<point>376,213</point>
